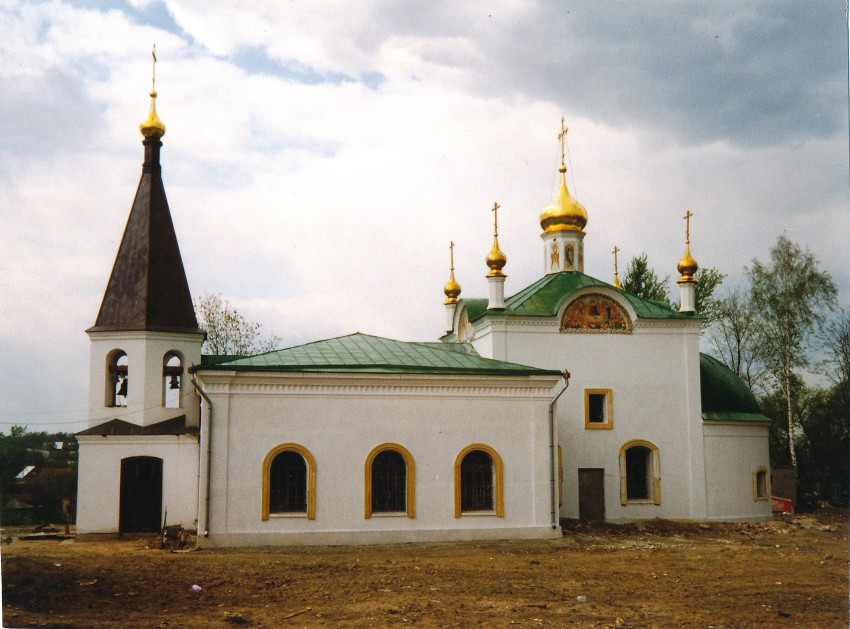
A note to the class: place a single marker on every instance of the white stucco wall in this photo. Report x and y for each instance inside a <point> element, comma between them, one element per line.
<point>732,454</point>
<point>340,418</point>
<point>99,478</point>
<point>653,375</point>
<point>145,352</point>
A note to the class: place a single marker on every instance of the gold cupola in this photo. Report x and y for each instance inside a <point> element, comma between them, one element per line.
<point>452,288</point>
<point>565,214</point>
<point>153,127</point>
<point>496,260</point>
<point>687,266</point>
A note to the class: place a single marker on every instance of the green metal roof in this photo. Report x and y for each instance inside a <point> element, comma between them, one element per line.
<point>215,359</point>
<point>363,353</point>
<point>725,397</point>
<point>546,296</point>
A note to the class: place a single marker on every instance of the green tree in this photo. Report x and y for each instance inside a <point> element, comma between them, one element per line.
<point>54,479</point>
<point>791,295</point>
<point>733,336</point>
<point>708,279</point>
<point>824,471</point>
<point>643,281</point>
<point>773,406</point>
<point>14,456</point>
<point>835,339</point>
<point>228,332</point>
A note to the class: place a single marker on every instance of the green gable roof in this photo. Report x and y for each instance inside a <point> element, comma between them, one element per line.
<point>546,296</point>
<point>725,397</point>
<point>363,353</point>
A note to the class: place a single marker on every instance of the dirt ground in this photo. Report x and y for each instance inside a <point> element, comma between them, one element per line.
<point>786,573</point>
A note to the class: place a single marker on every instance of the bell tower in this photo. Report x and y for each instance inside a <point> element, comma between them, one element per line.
<point>146,334</point>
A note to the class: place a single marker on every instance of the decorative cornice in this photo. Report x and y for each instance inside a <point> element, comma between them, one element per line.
<point>113,440</point>
<point>330,385</point>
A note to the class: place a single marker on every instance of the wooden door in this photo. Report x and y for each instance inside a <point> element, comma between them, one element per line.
<point>141,495</point>
<point>591,494</point>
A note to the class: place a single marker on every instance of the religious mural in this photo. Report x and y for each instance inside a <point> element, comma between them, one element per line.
<point>465,331</point>
<point>569,257</point>
<point>596,313</point>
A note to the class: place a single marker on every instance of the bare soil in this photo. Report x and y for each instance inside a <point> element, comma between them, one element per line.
<point>786,573</point>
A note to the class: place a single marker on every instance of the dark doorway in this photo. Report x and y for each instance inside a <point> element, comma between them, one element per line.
<point>141,495</point>
<point>591,494</point>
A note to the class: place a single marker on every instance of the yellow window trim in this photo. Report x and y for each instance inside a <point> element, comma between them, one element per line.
<point>499,480</point>
<point>756,472</point>
<point>410,490</point>
<point>311,477</point>
<point>656,472</point>
<point>609,415</point>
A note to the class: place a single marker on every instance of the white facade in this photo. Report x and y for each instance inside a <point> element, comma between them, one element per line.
<point>733,455</point>
<point>340,418</point>
<point>99,478</point>
<point>651,376</point>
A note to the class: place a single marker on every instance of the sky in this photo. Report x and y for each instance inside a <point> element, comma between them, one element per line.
<point>320,156</point>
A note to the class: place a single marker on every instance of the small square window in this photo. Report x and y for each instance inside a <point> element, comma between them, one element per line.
<point>598,405</point>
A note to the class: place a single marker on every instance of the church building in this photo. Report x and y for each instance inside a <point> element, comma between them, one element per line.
<point>482,434</point>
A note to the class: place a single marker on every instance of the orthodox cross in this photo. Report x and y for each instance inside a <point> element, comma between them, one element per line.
<point>153,81</point>
<point>452,254</point>
<point>562,136</point>
<point>495,211</point>
<point>616,274</point>
<point>687,218</point>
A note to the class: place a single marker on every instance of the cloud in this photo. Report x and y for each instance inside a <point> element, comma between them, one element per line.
<point>320,156</point>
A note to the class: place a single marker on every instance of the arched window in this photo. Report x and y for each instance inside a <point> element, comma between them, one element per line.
<point>479,481</point>
<point>172,380</point>
<point>289,482</point>
<point>761,490</point>
<point>390,481</point>
<point>116,378</point>
<point>640,473</point>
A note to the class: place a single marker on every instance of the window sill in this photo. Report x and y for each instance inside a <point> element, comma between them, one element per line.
<point>273,516</point>
<point>477,514</point>
<point>639,501</point>
<point>605,426</point>
<point>389,514</point>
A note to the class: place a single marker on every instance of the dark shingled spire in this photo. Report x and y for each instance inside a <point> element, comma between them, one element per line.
<point>148,289</point>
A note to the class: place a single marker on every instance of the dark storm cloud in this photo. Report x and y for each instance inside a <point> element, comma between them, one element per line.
<point>751,73</point>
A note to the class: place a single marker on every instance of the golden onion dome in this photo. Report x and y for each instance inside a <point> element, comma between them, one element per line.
<point>496,260</point>
<point>565,214</point>
<point>687,266</point>
<point>451,289</point>
<point>152,127</point>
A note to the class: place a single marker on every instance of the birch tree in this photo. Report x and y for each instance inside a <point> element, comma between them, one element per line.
<point>792,297</point>
<point>734,337</point>
<point>228,332</point>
